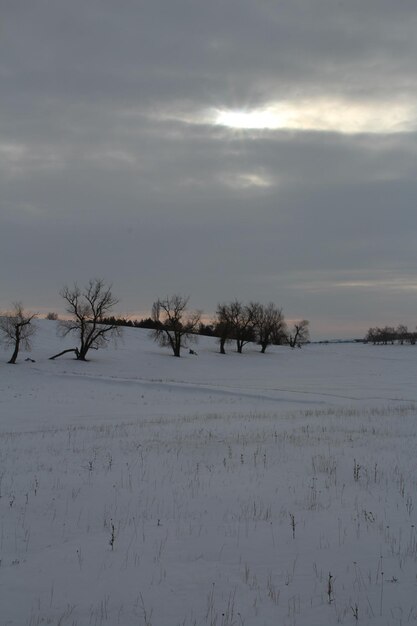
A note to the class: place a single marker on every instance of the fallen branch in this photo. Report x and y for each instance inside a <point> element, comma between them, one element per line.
<point>75,350</point>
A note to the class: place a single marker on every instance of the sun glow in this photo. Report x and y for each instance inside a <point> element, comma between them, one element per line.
<point>257,119</point>
<point>322,115</point>
<point>332,114</point>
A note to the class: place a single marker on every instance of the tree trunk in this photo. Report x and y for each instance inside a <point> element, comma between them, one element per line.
<point>16,351</point>
<point>222,343</point>
<point>263,347</point>
<point>176,344</point>
<point>82,351</point>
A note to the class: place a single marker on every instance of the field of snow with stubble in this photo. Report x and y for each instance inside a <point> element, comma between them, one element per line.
<point>143,490</point>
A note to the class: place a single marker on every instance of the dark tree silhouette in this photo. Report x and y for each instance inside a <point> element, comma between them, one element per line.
<point>299,334</point>
<point>223,327</point>
<point>269,324</point>
<point>174,327</point>
<point>236,322</point>
<point>389,334</point>
<point>17,329</point>
<point>402,333</point>
<point>88,308</point>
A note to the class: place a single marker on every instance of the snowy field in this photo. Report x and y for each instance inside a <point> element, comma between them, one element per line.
<point>277,490</point>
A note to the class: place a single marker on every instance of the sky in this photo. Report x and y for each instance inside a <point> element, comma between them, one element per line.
<point>251,149</point>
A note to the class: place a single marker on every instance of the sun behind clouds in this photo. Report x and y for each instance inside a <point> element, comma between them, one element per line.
<point>257,118</point>
<point>331,115</point>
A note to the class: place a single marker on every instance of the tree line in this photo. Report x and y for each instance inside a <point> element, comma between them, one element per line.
<point>390,335</point>
<point>90,320</point>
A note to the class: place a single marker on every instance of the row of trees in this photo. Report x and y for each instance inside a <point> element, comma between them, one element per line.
<point>255,322</point>
<point>86,309</point>
<point>173,324</point>
<point>176,327</point>
<point>389,334</point>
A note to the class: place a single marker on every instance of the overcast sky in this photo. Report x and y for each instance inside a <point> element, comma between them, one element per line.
<point>253,149</point>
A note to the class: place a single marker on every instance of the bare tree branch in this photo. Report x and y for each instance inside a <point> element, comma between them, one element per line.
<point>269,323</point>
<point>75,350</point>
<point>88,308</point>
<point>17,329</point>
<point>299,334</point>
<point>175,328</point>
<point>236,322</point>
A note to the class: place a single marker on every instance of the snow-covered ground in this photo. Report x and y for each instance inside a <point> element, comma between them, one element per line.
<point>141,489</point>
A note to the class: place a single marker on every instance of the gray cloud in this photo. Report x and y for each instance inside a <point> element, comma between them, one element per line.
<point>109,164</point>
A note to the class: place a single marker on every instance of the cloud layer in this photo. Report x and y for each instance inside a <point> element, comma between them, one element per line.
<point>260,150</point>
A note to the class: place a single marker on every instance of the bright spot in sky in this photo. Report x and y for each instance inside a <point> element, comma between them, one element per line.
<point>258,118</point>
<point>246,181</point>
<point>322,115</point>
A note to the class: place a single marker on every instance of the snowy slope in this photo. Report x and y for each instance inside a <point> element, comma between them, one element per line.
<point>247,489</point>
<point>141,379</point>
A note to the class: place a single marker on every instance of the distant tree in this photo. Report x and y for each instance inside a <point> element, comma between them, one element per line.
<point>235,321</point>
<point>17,329</point>
<point>148,323</point>
<point>88,308</point>
<point>299,334</point>
<point>402,333</point>
<point>223,327</point>
<point>380,335</point>
<point>51,316</point>
<point>116,321</point>
<point>384,335</point>
<point>269,324</point>
<point>174,326</point>
<point>389,334</point>
<point>371,336</point>
<point>206,329</point>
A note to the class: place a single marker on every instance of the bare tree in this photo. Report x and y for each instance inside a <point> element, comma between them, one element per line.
<point>269,324</point>
<point>402,333</point>
<point>87,309</point>
<point>17,329</point>
<point>174,326</point>
<point>299,334</point>
<point>235,321</point>
<point>223,327</point>
<point>372,336</point>
<point>389,334</point>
